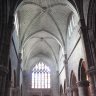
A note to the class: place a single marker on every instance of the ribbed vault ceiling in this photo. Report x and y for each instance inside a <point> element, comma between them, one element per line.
<point>42,30</point>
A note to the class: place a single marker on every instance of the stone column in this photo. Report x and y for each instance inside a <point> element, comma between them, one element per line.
<point>3,73</point>
<point>90,56</point>
<point>6,25</point>
<point>19,68</point>
<point>68,91</point>
<point>7,89</point>
<point>67,77</point>
<point>74,91</point>
<point>92,77</point>
<point>83,88</point>
<point>65,94</point>
<point>3,60</point>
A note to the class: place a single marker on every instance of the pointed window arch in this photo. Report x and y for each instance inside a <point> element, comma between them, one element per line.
<point>41,76</point>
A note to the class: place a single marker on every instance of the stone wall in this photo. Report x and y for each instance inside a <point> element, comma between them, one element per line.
<point>27,76</point>
<point>75,51</point>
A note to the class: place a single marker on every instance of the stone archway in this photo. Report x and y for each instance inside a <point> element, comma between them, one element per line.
<point>83,84</point>
<point>82,70</point>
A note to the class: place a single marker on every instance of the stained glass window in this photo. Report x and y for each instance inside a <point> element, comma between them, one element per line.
<point>41,76</point>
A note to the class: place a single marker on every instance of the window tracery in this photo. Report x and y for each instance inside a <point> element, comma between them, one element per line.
<point>41,76</point>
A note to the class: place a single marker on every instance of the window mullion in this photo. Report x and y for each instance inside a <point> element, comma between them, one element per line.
<point>47,80</point>
<point>44,81</point>
<point>34,79</point>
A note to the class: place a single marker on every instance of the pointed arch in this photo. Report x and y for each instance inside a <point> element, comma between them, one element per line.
<point>84,77</point>
<point>73,78</point>
<point>82,70</point>
<point>73,84</point>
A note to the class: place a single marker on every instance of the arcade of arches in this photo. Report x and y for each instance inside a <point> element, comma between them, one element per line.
<point>47,47</point>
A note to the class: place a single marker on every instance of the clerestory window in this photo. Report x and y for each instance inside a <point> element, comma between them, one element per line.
<point>71,25</point>
<point>41,76</point>
<point>16,23</point>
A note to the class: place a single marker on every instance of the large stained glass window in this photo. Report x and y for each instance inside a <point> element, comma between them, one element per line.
<point>41,76</point>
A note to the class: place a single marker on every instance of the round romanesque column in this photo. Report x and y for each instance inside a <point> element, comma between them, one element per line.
<point>83,88</point>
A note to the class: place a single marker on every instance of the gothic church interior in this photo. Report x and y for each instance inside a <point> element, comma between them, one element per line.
<point>47,47</point>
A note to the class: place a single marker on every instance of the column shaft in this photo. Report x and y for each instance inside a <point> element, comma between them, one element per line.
<point>83,88</point>
<point>3,73</point>
<point>92,75</point>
